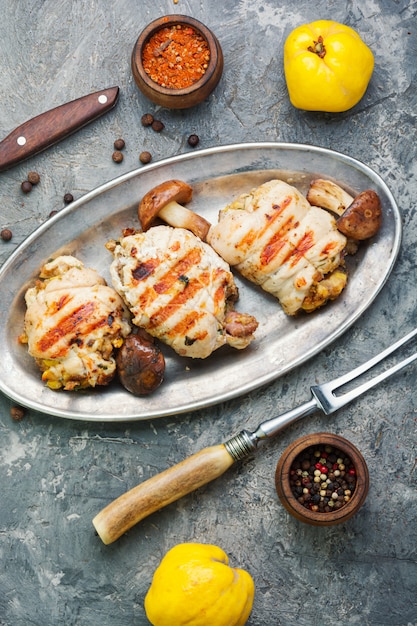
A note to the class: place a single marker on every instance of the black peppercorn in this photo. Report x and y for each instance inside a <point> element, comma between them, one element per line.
<point>68,198</point>
<point>34,178</point>
<point>6,234</point>
<point>145,157</point>
<point>26,186</point>
<point>193,140</point>
<point>119,144</point>
<point>147,119</point>
<point>52,213</point>
<point>157,126</point>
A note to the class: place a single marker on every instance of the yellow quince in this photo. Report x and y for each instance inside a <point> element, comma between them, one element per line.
<point>194,585</point>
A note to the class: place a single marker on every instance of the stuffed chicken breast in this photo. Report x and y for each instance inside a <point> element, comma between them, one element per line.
<point>180,291</point>
<point>72,323</point>
<point>276,239</point>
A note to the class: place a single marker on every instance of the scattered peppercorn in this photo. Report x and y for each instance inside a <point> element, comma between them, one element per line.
<point>17,413</point>
<point>157,126</point>
<point>6,234</point>
<point>119,144</point>
<point>322,479</point>
<point>52,213</point>
<point>34,178</point>
<point>68,198</point>
<point>145,157</point>
<point>193,140</point>
<point>26,186</point>
<point>147,119</point>
<point>117,156</point>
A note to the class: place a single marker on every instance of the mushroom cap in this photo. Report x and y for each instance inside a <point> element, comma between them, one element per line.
<point>362,219</point>
<point>159,196</point>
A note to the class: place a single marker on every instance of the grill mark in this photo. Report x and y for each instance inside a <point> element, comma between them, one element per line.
<point>184,327</point>
<point>328,248</point>
<point>151,292</point>
<point>144,269</point>
<point>178,301</point>
<point>302,248</point>
<point>270,218</point>
<point>179,269</point>
<point>277,242</point>
<point>72,326</point>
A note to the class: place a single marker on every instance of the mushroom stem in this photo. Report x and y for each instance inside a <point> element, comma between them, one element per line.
<point>328,195</point>
<point>165,201</point>
<point>178,216</point>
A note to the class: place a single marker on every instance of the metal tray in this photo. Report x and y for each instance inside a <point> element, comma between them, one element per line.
<point>217,175</point>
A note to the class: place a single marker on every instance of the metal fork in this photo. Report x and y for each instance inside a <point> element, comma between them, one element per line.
<point>210,463</point>
<point>324,397</point>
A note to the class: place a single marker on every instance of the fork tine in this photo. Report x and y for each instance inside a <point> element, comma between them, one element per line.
<point>361,369</point>
<point>330,402</point>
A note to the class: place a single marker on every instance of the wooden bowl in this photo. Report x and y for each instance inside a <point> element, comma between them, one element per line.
<point>171,97</point>
<point>285,471</point>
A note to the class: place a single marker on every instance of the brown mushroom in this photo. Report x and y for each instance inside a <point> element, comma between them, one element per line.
<point>359,218</point>
<point>362,219</point>
<point>165,202</point>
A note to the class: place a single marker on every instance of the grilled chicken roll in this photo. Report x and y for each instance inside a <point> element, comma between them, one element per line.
<point>276,239</point>
<point>180,291</point>
<point>72,323</point>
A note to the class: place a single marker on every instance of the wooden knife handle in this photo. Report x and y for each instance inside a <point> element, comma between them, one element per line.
<point>160,490</point>
<point>46,129</point>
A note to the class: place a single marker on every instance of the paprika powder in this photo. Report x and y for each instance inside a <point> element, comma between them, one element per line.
<point>176,56</point>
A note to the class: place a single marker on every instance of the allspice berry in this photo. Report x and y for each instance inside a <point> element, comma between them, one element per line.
<point>26,186</point>
<point>117,156</point>
<point>157,126</point>
<point>119,144</point>
<point>34,178</point>
<point>147,119</point>
<point>17,413</point>
<point>6,234</point>
<point>145,157</point>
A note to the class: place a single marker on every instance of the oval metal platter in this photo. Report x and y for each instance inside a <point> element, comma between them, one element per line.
<point>217,176</point>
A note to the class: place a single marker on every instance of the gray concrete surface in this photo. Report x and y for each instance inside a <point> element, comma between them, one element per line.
<point>56,474</point>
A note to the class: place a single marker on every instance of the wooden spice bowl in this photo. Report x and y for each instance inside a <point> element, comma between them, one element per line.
<point>169,96</point>
<point>285,474</point>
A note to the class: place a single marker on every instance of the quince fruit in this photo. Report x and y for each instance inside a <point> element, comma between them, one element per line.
<point>195,586</point>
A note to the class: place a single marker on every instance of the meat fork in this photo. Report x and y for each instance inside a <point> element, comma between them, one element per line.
<point>210,463</point>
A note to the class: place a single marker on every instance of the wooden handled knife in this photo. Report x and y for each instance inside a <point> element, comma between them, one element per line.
<point>49,128</point>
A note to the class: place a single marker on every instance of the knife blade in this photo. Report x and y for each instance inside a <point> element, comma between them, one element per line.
<point>53,126</point>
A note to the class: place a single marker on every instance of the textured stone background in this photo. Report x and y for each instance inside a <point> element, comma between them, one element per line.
<point>55,475</point>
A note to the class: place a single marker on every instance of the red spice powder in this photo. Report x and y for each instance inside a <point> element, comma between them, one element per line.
<point>176,57</point>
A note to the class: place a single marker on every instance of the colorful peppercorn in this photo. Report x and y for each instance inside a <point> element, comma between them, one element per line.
<point>328,479</point>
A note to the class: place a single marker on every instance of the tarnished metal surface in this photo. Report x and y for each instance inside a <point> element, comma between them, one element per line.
<point>282,342</point>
